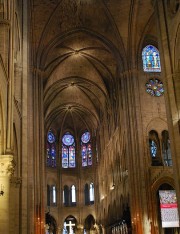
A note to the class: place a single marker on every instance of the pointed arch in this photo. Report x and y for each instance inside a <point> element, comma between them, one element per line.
<point>151,59</point>
<point>86,149</point>
<point>73,195</point>
<point>51,149</point>
<point>66,195</point>
<point>91,193</point>
<point>86,194</point>
<point>166,149</point>
<point>154,148</point>
<point>51,223</point>
<point>68,151</point>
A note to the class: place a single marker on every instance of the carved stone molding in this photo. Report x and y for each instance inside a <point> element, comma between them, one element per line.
<point>157,173</point>
<point>7,166</point>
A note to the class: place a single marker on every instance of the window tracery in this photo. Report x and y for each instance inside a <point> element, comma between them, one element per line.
<point>86,149</point>
<point>155,87</point>
<point>51,150</point>
<point>68,151</point>
<point>151,59</point>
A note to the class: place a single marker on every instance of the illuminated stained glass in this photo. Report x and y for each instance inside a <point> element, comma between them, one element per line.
<point>51,150</point>
<point>85,137</point>
<point>68,139</point>
<point>68,151</point>
<point>51,137</point>
<point>153,148</point>
<point>155,87</point>
<point>86,150</point>
<point>64,156</point>
<point>72,156</point>
<point>89,154</point>
<point>84,155</point>
<point>151,59</point>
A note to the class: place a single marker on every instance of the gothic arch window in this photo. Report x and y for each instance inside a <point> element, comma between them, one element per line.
<point>91,193</point>
<point>73,195</point>
<point>86,194</point>
<point>51,195</point>
<point>51,150</point>
<point>68,151</point>
<point>86,149</point>
<point>89,223</point>
<point>66,195</point>
<point>48,195</point>
<point>166,150</point>
<point>70,225</point>
<point>54,195</point>
<point>154,148</point>
<point>51,224</point>
<point>151,59</point>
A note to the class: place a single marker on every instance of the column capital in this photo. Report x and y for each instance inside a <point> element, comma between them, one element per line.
<point>6,165</point>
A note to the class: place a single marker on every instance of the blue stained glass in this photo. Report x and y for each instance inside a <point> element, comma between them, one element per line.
<point>64,156</point>
<point>68,151</point>
<point>86,150</point>
<point>51,137</point>
<point>154,87</point>
<point>68,139</point>
<point>151,59</point>
<point>85,137</point>
<point>72,156</point>
<point>153,148</point>
<point>50,150</point>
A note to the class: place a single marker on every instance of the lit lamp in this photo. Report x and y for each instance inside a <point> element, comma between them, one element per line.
<point>2,190</point>
<point>113,186</point>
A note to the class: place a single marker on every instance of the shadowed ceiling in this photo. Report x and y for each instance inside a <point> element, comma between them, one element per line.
<point>75,48</point>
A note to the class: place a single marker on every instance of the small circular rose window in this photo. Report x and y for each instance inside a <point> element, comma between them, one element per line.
<point>155,87</point>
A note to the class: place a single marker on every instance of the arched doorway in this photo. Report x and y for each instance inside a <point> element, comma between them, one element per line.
<point>89,224</point>
<point>51,225</point>
<point>70,224</point>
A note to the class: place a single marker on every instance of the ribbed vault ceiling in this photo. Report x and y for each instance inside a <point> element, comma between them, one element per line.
<point>79,69</point>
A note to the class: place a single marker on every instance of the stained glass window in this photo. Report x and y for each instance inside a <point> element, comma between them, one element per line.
<point>155,87</point>
<point>153,148</point>
<point>68,151</point>
<point>151,59</point>
<point>86,149</point>
<point>51,150</point>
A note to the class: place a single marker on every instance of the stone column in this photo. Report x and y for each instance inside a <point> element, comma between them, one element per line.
<point>169,47</point>
<point>6,169</point>
<point>80,229</point>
